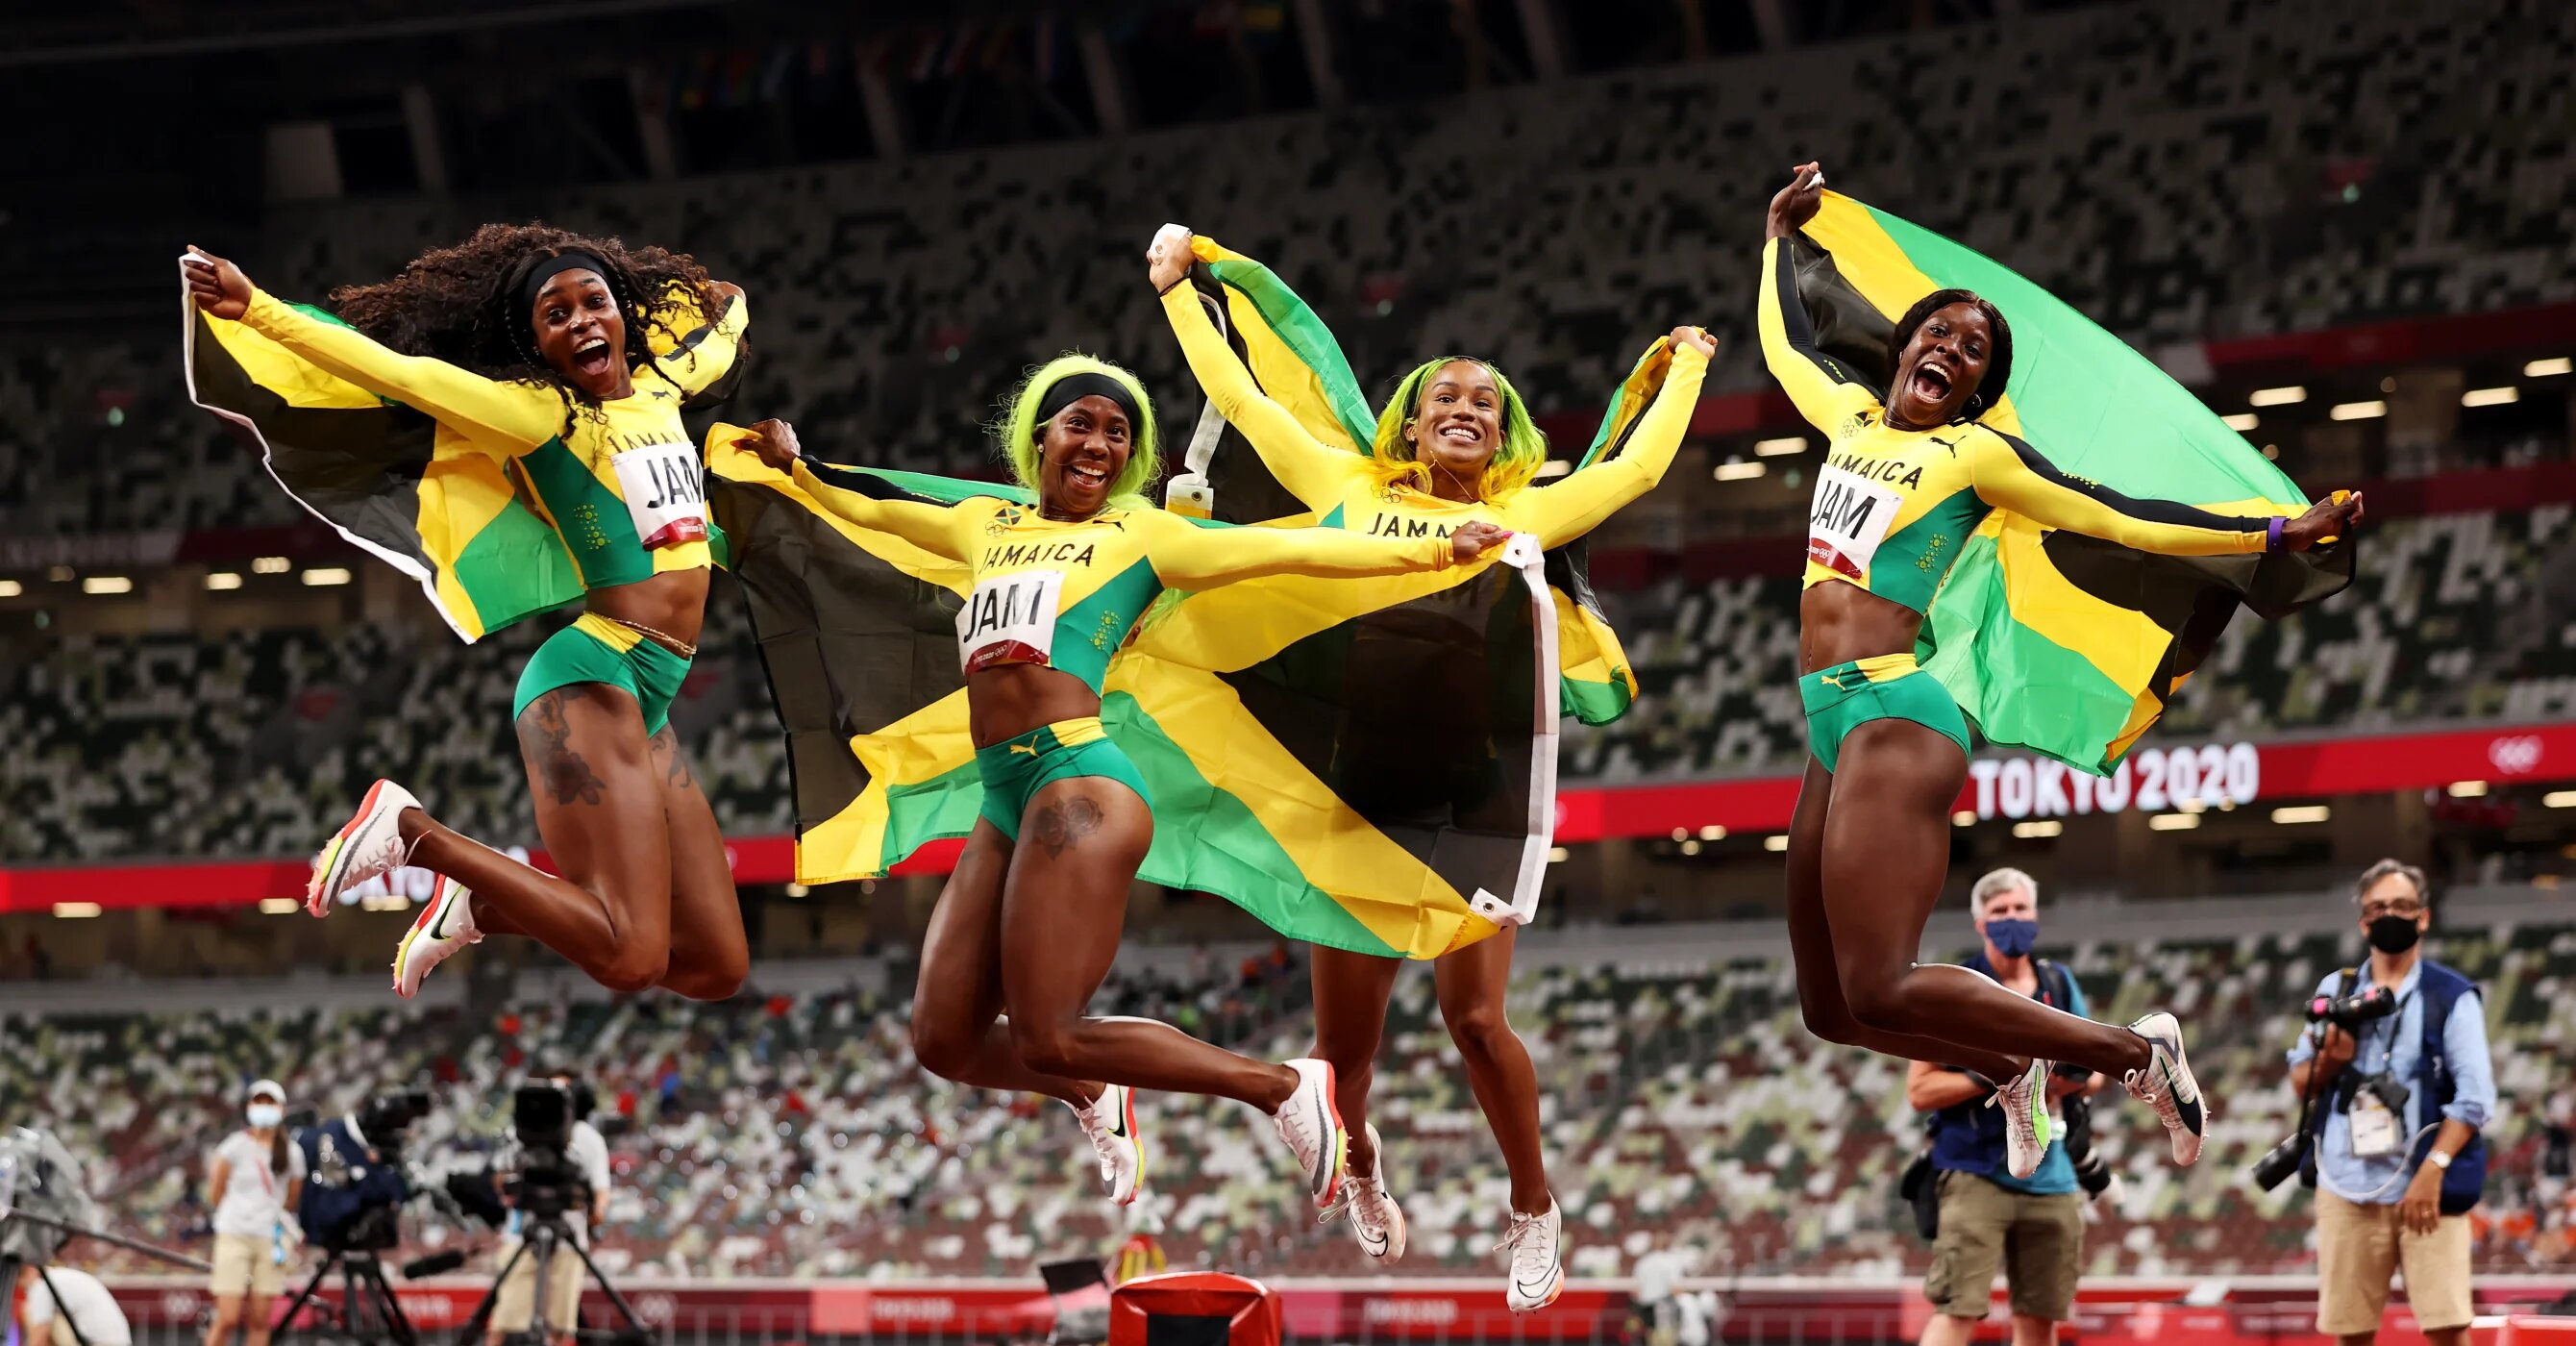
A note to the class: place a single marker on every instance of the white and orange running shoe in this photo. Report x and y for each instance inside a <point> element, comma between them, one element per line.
<point>369,845</point>
<point>1110,1122</point>
<point>445,925</point>
<point>1312,1126</point>
<point>1377,1223</point>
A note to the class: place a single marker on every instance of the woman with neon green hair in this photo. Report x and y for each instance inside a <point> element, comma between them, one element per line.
<point>1454,442</point>
<point>1029,923</point>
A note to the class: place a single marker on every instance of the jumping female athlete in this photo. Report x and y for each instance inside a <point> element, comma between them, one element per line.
<point>529,344</point>
<point>1029,923</point>
<point>1870,841</point>
<point>1453,442</point>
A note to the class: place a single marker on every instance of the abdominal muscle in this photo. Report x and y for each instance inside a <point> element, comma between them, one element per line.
<point>1008,700</point>
<point>673,603</point>
<point>1839,621</point>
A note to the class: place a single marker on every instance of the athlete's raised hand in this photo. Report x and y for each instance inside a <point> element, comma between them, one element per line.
<point>2329,520</point>
<point>218,286</point>
<point>1796,203</point>
<point>775,441</point>
<point>1167,261</point>
<point>1697,339</point>
<point>1475,539</point>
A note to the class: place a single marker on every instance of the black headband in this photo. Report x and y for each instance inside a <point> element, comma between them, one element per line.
<point>575,260</point>
<point>1072,388</point>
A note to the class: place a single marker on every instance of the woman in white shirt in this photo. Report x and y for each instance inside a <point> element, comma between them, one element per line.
<point>253,1182</point>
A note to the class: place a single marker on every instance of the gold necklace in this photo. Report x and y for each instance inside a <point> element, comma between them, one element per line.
<point>664,639</point>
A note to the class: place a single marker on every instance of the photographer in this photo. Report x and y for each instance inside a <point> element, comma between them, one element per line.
<point>585,1153</point>
<point>2398,1075</point>
<point>2033,1227</point>
<point>255,1176</point>
<point>355,1163</point>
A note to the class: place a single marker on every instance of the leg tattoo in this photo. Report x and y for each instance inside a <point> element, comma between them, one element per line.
<point>1061,827</point>
<point>546,739</point>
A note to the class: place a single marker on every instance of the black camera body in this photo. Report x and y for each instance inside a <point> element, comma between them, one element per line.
<point>2350,1012</point>
<point>546,1182</point>
<point>387,1120</point>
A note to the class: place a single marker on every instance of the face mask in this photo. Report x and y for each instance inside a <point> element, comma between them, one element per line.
<point>2013,939</point>
<point>2394,934</point>
<point>266,1114</point>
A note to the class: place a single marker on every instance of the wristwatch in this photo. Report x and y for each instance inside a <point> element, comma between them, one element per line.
<point>2438,1159</point>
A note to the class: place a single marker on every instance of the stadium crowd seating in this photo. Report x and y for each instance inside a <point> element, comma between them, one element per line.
<point>121,753</point>
<point>793,1134</point>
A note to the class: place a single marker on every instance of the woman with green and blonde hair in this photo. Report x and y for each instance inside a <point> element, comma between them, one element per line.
<point>1454,442</point>
<point>1029,923</point>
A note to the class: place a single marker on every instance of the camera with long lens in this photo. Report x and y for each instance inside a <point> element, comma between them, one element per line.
<point>2349,1013</point>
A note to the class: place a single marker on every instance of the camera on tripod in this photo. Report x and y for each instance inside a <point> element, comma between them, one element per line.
<point>546,1182</point>
<point>2349,1013</point>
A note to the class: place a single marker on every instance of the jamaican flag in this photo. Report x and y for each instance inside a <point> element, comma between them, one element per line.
<point>1299,365</point>
<point>421,496</point>
<point>2064,644</point>
<point>857,632</point>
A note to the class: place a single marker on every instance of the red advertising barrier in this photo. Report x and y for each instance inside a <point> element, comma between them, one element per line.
<point>2215,1311</point>
<point>2012,785</point>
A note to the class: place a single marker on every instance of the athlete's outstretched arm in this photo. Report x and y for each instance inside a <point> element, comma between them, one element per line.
<point>1187,556</point>
<point>1818,385</point>
<point>1577,505</point>
<point>513,413</point>
<point>2009,474</point>
<point>942,530</point>
<point>1823,390</point>
<point>1313,471</point>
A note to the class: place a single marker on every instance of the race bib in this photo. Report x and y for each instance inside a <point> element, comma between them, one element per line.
<point>1009,619</point>
<point>1847,520</point>
<point>665,492</point>
<point>2374,1127</point>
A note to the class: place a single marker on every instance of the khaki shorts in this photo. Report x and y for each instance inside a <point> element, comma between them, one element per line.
<point>2359,1246</point>
<point>245,1264</point>
<point>515,1307</point>
<point>2037,1240</point>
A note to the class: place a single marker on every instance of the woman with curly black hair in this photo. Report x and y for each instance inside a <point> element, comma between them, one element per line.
<point>538,348</point>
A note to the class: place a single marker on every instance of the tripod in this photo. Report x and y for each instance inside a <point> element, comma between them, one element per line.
<point>369,1313</point>
<point>547,1237</point>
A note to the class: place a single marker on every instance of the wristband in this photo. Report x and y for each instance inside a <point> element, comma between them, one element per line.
<point>1184,280</point>
<point>2272,534</point>
<point>2438,1159</point>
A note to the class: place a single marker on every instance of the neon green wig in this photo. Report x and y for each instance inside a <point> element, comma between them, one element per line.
<point>1018,428</point>
<point>1514,465</point>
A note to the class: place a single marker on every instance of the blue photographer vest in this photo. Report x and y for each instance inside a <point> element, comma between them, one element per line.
<point>2466,1180</point>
